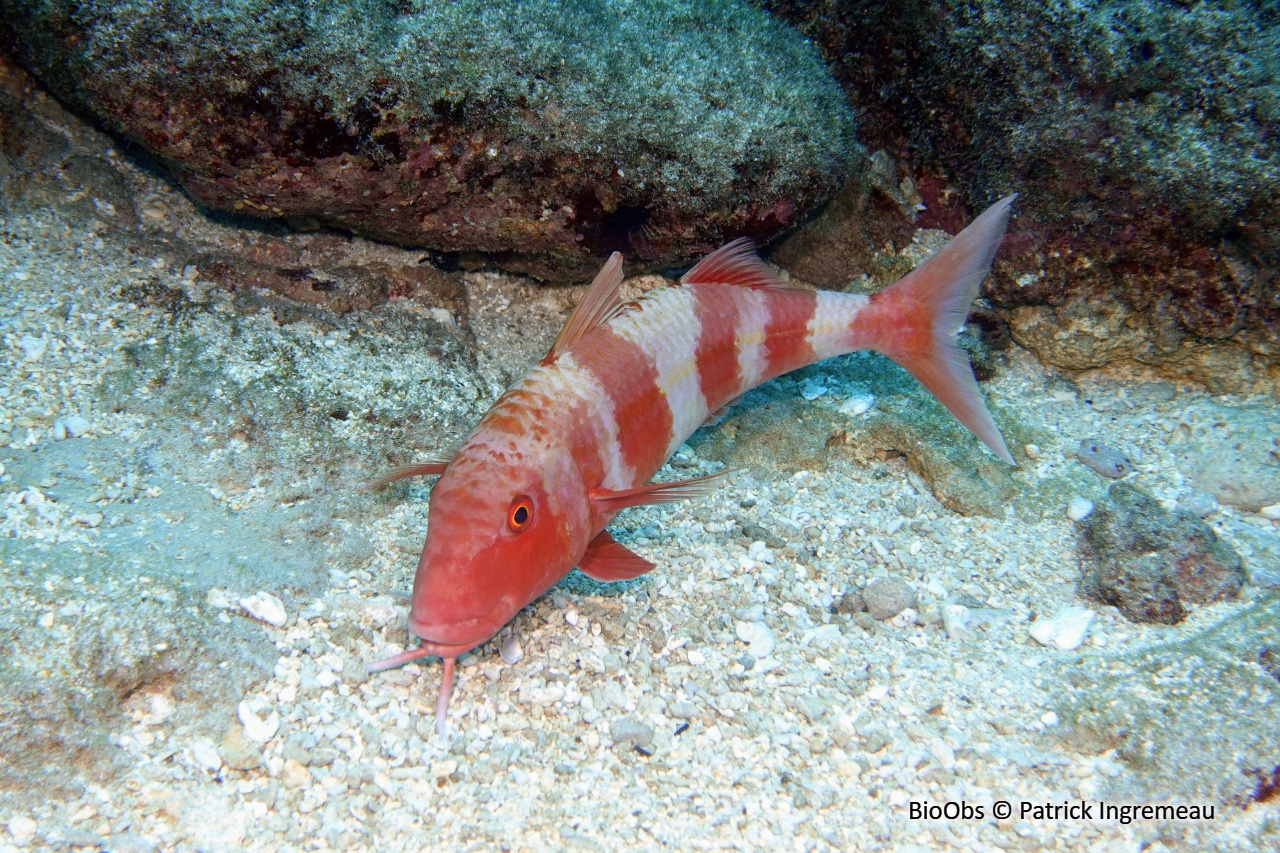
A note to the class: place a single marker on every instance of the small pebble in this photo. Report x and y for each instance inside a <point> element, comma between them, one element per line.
<point>1065,630</point>
<point>206,756</point>
<point>265,607</point>
<point>857,405</point>
<point>1272,512</point>
<point>886,597</point>
<point>1032,451</point>
<point>76,425</point>
<point>295,775</point>
<point>904,619</point>
<point>955,619</point>
<point>255,727</point>
<point>631,732</point>
<point>697,658</point>
<point>1078,508</point>
<point>511,651</point>
<point>22,827</point>
<point>750,613</point>
<point>757,636</point>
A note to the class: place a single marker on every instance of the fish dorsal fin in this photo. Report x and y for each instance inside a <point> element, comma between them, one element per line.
<point>606,560</point>
<point>733,263</point>
<point>428,468</point>
<point>609,501</point>
<point>600,305</point>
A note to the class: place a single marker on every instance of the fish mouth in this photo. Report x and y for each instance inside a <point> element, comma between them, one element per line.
<point>453,639</point>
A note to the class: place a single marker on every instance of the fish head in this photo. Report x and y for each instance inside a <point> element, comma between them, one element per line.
<point>500,532</point>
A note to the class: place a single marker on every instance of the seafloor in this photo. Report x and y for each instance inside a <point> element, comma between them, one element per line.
<point>176,457</point>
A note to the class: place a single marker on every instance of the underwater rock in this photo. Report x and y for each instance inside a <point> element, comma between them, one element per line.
<point>1230,452</point>
<point>1149,562</point>
<point>886,597</point>
<point>1141,136</point>
<point>542,134</point>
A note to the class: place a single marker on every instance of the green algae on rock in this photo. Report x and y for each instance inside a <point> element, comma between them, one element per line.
<point>541,133</point>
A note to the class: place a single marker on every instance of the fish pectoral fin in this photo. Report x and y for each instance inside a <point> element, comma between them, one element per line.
<point>606,560</point>
<point>600,305</point>
<point>429,468</point>
<point>609,501</point>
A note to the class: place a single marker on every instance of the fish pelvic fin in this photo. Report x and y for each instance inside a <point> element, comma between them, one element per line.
<point>606,560</point>
<point>926,310</point>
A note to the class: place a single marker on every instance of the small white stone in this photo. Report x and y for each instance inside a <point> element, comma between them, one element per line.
<point>1065,630</point>
<point>571,616</point>
<point>696,658</point>
<point>256,728</point>
<point>511,651</point>
<point>76,425</point>
<point>33,348</point>
<point>326,678</point>
<point>812,389</point>
<point>22,827</point>
<point>757,636</point>
<point>955,619</point>
<point>59,430</point>
<point>265,607</point>
<point>1049,718</point>
<point>1272,512</point>
<point>1032,451</point>
<point>945,755</point>
<point>1078,508</point>
<point>877,692</point>
<point>858,404</point>
<point>219,599</point>
<point>205,755</point>
<point>904,619</point>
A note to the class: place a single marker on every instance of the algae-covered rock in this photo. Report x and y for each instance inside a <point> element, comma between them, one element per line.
<point>1141,136</point>
<point>1150,562</point>
<point>544,133</point>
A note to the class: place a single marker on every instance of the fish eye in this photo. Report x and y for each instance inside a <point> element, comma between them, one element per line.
<point>520,514</point>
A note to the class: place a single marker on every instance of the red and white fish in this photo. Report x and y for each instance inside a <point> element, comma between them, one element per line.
<point>528,495</point>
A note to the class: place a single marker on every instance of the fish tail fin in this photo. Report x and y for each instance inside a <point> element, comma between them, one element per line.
<point>929,306</point>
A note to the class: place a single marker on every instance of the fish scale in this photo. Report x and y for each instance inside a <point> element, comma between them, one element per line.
<point>530,492</point>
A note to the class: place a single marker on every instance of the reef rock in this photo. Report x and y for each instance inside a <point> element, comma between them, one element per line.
<point>1149,562</point>
<point>545,135</point>
<point>1140,136</point>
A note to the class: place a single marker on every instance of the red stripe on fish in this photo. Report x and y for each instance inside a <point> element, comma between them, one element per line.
<point>719,375</point>
<point>787,331</point>
<point>640,408</point>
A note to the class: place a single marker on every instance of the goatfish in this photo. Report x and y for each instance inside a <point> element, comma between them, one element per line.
<point>529,493</point>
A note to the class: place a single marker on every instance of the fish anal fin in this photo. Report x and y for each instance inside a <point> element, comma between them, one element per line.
<point>599,305</point>
<point>428,468</point>
<point>608,501</point>
<point>606,561</point>
<point>735,263</point>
